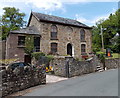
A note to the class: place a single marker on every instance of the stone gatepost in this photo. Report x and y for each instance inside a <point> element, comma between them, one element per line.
<point>67,62</point>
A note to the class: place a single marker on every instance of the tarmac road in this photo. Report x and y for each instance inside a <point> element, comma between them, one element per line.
<point>94,84</point>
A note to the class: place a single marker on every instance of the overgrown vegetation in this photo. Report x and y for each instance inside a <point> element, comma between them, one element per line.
<point>37,55</point>
<point>49,57</point>
<point>101,56</point>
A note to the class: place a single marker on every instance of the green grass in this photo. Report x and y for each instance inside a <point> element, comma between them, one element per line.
<point>114,55</point>
<point>100,52</point>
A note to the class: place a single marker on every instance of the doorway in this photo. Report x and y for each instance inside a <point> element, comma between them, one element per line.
<point>69,49</point>
<point>27,59</point>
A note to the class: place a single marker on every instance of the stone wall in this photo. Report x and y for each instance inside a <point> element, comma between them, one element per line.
<point>112,63</point>
<point>13,50</point>
<point>59,66</point>
<point>21,78</point>
<point>69,67</point>
<point>64,37</point>
<point>2,49</point>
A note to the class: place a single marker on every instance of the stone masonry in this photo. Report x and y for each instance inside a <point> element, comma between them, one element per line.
<point>13,51</point>
<point>2,49</point>
<point>21,78</point>
<point>69,67</point>
<point>68,32</point>
<point>112,63</point>
<point>64,37</point>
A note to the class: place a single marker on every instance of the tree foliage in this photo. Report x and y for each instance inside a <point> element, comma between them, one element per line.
<point>111,29</point>
<point>12,19</point>
<point>29,44</point>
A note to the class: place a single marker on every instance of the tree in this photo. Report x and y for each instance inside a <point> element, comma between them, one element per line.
<point>12,19</point>
<point>96,39</point>
<point>112,27</point>
<point>29,44</point>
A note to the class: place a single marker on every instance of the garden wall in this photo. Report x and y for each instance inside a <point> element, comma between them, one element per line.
<point>21,78</point>
<point>2,49</point>
<point>69,67</point>
<point>112,63</point>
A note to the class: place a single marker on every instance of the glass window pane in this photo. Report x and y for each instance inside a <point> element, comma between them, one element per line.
<point>83,48</point>
<point>53,47</point>
<point>53,32</point>
<point>82,33</point>
<point>54,35</point>
<point>21,40</point>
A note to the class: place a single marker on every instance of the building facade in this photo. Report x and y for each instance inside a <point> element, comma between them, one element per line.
<point>55,35</point>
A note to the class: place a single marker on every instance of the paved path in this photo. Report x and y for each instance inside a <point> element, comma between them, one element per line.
<point>53,79</point>
<point>94,84</point>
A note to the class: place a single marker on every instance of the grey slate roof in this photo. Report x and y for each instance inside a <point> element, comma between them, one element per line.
<point>28,30</point>
<point>56,19</point>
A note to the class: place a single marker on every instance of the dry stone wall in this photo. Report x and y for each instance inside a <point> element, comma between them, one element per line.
<point>112,63</point>
<point>69,67</point>
<point>21,78</point>
<point>2,49</point>
<point>59,66</point>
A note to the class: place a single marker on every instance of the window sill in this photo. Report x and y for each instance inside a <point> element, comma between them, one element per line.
<point>83,53</point>
<point>83,41</point>
<point>20,46</point>
<point>53,39</point>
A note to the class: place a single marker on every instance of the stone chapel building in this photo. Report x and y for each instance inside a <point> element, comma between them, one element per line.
<point>52,35</point>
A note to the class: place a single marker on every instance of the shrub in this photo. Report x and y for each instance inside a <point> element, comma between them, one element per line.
<point>101,56</point>
<point>37,55</point>
<point>49,57</point>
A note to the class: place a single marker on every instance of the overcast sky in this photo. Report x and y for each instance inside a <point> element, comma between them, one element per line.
<point>85,11</point>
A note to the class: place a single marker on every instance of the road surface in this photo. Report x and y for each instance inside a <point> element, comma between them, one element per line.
<point>94,84</point>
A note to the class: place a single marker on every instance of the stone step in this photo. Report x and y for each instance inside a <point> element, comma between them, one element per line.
<point>98,66</point>
<point>100,70</point>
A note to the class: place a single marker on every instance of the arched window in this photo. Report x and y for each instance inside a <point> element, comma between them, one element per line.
<point>53,32</point>
<point>83,48</point>
<point>54,47</point>
<point>82,35</point>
